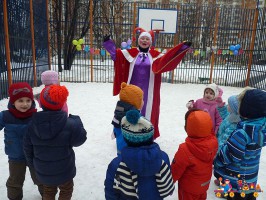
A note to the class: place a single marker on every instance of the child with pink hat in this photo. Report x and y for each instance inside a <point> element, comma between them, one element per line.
<point>50,77</point>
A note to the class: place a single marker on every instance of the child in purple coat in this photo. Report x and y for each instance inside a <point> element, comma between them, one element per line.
<point>209,104</point>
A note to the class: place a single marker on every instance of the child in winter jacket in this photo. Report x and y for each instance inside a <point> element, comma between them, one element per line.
<point>239,157</point>
<point>143,169</point>
<point>209,104</point>
<point>15,120</point>
<point>50,77</point>
<point>230,116</point>
<point>131,98</point>
<point>192,164</point>
<point>49,143</point>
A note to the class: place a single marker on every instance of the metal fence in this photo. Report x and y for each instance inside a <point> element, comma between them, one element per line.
<point>212,30</point>
<point>24,39</point>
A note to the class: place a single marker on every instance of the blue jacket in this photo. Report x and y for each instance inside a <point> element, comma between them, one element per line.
<point>227,126</point>
<point>145,161</point>
<point>48,145</point>
<point>14,130</point>
<point>240,155</point>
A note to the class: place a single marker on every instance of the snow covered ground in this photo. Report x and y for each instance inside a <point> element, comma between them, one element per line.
<point>94,103</point>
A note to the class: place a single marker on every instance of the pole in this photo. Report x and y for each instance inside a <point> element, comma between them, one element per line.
<point>48,33</point>
<point>175,42</point>
<point>33,44</point>
<point>134,21</point>
<point>8,62</point>
<point>253,37</point>
<point>214,41</point>
<point>91,39</point>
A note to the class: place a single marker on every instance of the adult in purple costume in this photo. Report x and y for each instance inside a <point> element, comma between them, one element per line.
<point>143,66</point>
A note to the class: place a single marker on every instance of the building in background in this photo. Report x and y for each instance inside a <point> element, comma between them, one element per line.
<point>243,3</point>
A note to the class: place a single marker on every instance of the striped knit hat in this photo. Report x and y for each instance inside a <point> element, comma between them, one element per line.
<point>137,130</point>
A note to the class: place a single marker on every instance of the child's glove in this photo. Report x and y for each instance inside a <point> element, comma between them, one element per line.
<point>219,99</point>
<point>189,104</point>
<point>219,102</point>
<point>113,136</point>
<point>220,92</point>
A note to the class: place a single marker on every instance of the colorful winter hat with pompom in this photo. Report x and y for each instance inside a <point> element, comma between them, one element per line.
<point>53,97</point>
<point>137,130</point>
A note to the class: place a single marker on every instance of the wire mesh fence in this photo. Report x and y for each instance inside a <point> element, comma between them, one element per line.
<point>212,30</point>
<point>25,33</point>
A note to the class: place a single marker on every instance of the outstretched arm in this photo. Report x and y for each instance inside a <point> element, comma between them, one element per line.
<point>109,45</point>
<point>171,59</point>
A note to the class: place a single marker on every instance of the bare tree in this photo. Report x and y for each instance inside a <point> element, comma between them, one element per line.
<point>66,16</point>
<point>110,15</point>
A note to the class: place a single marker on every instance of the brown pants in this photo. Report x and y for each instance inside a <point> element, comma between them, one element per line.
<point>15,181</point>
<point>66,191</point>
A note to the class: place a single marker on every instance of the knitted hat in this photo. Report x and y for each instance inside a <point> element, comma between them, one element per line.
<point>53,97</point>
<point>136,130</point>
<point>19,90</point>
<point>198,123</point>
<point>49,77</point>
<point>252,103</point>
<point>131,94</point>
<point>233,103</point>
<point>214,88</point>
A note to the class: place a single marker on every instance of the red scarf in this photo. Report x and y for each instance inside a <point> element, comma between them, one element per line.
<point>22,115</point>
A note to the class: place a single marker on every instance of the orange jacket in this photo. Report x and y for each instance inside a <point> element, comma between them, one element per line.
<point>192,164</point>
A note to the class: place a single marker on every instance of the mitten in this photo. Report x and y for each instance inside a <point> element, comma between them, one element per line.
<point>188,43</point>
<point>113,136</point>
<point>106,38</point>
<point>220,92</point>
<point>189,104</point>
<point>219,102</point>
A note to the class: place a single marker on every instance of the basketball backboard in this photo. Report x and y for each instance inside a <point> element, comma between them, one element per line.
<point>160,19</point>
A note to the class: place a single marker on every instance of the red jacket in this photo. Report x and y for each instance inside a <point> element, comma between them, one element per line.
<point>192,164</point>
